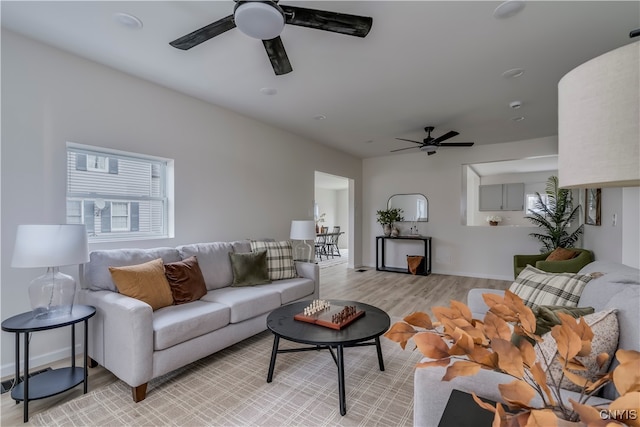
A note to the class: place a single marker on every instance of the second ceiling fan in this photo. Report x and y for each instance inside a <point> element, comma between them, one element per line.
<point>265,20</point>
<point>430,144</point>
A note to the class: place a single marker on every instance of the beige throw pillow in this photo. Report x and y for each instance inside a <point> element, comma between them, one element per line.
<point>145,282</point>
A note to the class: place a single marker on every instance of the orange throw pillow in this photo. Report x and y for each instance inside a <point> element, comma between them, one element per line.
<point>561,254</point>
<point>145,282</point>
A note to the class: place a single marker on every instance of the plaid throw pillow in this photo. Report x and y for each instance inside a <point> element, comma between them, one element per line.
<point>279,258</point>
<point>537,287</point>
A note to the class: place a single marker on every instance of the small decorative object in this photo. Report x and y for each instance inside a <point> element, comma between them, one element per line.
<point>319,219</point>
<point>473,345</point>
<point>388,217</point>
<point>52,246</point>
<point>555,218</point>
<point>395,231</point>
<point>303,230</point>
<point>320,312</point>
<point>494,220</point>
<point>592,200</point>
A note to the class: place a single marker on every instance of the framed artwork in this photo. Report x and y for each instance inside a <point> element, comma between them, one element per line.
<point>592,211</point>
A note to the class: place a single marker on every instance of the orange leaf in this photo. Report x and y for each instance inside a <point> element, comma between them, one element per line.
<point>574,364</point>
<point>504,312</point>
<point>527,352</point>
<point>444,313</point>
<point>509,358</point>
<point>525,316</point>
<point>567,340</point>
<point>462,309</point>
<point>431,345</point>
<point>626,376</point>
<point>517,393</point>
<point>624,408</point>
<point>601,359</point>
<point>577,379</point>
<point>582,330</point>
<point>481,403</point>
<point>461,368</point>
<point>542,418</point>
<point>492,299</point>
<point>432,363</point>
<point>400,332</point>
<point>500,417</point>
<point>541,379</point>
<point>420,320</point>
<point>624,356</point>
<point>495,327</point>
<point>463,343</point>
<point>588,414</point>
<point>597,384</point>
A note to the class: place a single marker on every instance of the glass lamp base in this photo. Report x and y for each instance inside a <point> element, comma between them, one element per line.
<point>52,294</point>
<point>303,252</point>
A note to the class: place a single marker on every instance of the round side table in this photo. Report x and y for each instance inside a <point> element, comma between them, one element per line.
<point>54,381</point>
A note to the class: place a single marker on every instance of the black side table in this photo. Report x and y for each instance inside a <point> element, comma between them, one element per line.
<point>48,383</point>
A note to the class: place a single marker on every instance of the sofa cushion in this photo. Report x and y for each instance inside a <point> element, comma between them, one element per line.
<point>293,289</point>
<point>561,254</point>
<point>185,279</point>
<point>213,259</point>
<point>96,275</point>
<point>537,287</point>
<point>604,325</point>
<point>279,258</point>
<point>179,323</point>
<point>145,282</point>
<point>246,302</point>
<point>249,268</point>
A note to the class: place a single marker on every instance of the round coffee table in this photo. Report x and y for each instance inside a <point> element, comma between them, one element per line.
<point>363,331</point>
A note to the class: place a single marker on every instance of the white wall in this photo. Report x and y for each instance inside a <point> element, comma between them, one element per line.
<point>235,177</point>
<point>474,251</point>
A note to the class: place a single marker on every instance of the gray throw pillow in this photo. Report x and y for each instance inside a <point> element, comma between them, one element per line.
<point>249,268</point>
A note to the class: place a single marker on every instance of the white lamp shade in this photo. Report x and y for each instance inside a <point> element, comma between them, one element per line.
<point>599,121</point>
<point>303,230</point>
<point>260,20</point>
<point>50,246</point>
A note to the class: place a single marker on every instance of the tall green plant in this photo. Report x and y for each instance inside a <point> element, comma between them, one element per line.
<point>555,217</point>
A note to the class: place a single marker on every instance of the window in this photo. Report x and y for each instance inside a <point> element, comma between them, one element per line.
<point>532,202</point>
<point>118,195</point>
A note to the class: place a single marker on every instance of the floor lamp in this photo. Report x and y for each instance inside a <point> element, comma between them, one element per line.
<point>51,246</point>
<point>303,230</point>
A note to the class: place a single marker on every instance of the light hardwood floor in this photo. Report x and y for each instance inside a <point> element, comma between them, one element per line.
<point>397,294</point>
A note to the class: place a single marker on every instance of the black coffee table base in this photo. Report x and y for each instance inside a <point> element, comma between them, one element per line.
<point>339,360</point>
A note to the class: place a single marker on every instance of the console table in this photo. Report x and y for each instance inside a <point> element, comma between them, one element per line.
<point>381,250</point>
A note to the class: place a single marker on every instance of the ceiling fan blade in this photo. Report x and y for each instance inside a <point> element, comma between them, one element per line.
<point>447,135</point>
<point>401,149</point>
<point>430,153</point>
<point>277,56</point>
<point>410,140</point>
<point>342,23</point>
<point>204,33</point>
<point>456,144</point>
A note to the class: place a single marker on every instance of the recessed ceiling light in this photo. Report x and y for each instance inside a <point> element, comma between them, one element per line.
<point>508,9</point>
<point>320,117</point>
<point>513,73</point>
<point>268,91</point>
<point>518,118</point>
<point>127,20</point>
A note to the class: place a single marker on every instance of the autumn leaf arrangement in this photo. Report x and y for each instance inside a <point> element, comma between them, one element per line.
<point>465,345</point>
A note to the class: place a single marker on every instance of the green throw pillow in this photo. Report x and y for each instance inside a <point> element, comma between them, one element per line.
<point>249,268</point>
<point>547,318</point>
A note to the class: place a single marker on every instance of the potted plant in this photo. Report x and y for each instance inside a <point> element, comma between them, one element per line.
<point>387,217</point>
<point>473,345</point>
<point>494,220</point>
<point>555,217</point>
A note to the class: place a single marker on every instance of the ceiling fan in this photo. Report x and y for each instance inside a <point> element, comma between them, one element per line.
<point>430,144</point>
<point>265,20</point>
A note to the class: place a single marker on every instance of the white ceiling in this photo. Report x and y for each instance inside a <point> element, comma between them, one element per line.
<point>423,63</point>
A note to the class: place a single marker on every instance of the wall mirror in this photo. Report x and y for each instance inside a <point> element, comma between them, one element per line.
<point>415,207</point>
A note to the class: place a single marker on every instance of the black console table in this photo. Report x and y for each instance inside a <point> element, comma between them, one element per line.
<point>380,250</point>
<point>55,381</point>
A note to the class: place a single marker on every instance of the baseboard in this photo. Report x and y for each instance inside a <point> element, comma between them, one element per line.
<point>36,363</point>
<point>467,274</point>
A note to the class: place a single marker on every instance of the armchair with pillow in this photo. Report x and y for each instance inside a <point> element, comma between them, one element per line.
<point>560,260</point>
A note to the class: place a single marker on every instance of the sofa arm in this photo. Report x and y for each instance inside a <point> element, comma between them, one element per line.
<point>310,270</point>
<point>476,303</point>
<point>121,335</point>
<point>521,261</point>
<point>572,265</point>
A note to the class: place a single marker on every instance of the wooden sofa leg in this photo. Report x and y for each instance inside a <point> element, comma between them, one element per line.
<point>139,392</point>
<point>91,363</point>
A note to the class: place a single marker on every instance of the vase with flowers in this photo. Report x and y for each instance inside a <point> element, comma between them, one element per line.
<point>494,220</point>
<point>465,346</point>
<point>387,217</point>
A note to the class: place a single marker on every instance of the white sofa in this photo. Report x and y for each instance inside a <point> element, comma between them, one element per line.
<point>138,344</point>
<point>618,288</point>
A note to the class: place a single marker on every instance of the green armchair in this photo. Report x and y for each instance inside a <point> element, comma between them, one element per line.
<point>572,265</point>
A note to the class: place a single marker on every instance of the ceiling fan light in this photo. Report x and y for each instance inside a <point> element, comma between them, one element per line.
<point>258,19</point>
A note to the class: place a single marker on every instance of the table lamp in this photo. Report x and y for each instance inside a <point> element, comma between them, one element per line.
<point>303,230</point>
<point>51,246</point>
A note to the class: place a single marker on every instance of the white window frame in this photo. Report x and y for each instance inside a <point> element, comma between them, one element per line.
<point>93,166</point>
<point>162,165</point>
<point>127,226</point>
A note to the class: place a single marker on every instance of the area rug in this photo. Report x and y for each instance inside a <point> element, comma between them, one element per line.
<point>229,388</point>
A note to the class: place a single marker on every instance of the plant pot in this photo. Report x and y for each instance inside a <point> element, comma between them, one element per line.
<point>386,229</point>
<point>493,223</point>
